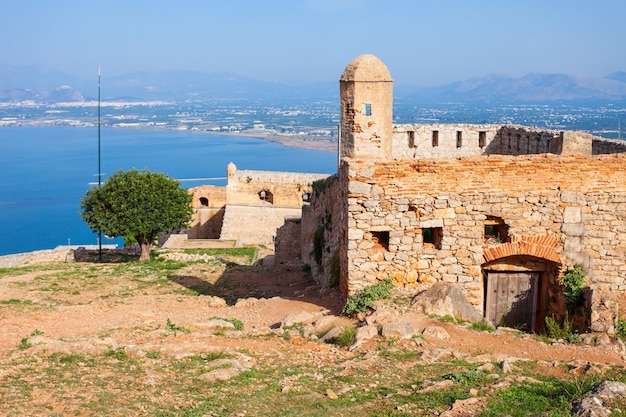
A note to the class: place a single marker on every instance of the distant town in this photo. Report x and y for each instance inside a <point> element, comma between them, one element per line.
<point>305,124</point>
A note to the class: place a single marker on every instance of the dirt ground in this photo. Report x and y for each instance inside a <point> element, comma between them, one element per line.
<point>86,314</point>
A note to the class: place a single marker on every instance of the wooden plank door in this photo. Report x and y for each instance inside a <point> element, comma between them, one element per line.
<point>512,299</point>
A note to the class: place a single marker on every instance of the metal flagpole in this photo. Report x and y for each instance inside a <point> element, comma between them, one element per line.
<point>99,170</point>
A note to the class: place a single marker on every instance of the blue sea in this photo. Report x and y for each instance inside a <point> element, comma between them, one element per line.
<point>44,172</point>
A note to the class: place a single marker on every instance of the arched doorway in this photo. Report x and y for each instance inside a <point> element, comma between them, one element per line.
<point>511,298</point>
<point>516,278</point>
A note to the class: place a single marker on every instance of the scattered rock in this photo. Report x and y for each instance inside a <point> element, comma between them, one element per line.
<point>434,354</point>
<point>506,366</point>
<point>488,367</point>
<point>435,332</point>
<point>462,408</point>
<point>300,316</point>
<point>330,394</point>
<point>443,299</point>
<point>245,302</point>
<point>220,374</point>
<point>596,403</point>
<point>331,334</point>
<point>324,323</point>
<point>233,363</point>
<point>216,302</point>
<point>364,334</point>
<point>442,385</point>
<point>380,317</point>
<point>219,323</point>
<point>398,329</point>
<point>37,339</point>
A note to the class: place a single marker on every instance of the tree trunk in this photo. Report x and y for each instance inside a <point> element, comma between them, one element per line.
<point>145,251</point>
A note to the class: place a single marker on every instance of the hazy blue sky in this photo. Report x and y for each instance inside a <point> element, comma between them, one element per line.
<point>423,42</point>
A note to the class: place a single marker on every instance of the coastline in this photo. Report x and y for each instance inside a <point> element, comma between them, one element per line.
<point>300,141</point>
<point>292,141</point>
<point>68,145</point>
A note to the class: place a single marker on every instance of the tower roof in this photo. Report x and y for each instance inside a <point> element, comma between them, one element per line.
<point>366,68</point>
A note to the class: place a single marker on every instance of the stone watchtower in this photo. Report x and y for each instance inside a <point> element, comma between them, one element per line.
<point>366,92</point>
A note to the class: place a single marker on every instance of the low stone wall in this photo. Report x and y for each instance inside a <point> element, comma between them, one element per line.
<point>324,230</point>
<point>413,141</point>
<point>604,146</point>
<point>287,242</point>
<point>40,257</point>
<point>255,224</point>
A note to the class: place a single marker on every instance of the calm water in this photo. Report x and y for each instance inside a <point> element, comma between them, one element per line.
<point>45,171</point>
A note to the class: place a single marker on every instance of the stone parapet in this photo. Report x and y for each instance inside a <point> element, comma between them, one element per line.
<point>40,257</point>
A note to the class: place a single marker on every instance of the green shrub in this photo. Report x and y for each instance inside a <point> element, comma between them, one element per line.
<point>621,328</point>
<point>556,331</point>
<point>481,327</point>
<point>236,322</point>
<point>573,282</point>
<point>172,327</point>
<point>346,337</point>
<point>363,300</point>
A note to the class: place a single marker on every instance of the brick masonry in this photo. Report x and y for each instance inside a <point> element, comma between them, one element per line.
<point>419,204</point>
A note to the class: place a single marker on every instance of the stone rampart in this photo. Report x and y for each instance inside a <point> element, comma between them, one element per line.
<point>40,257</point>
<point>271,188</point>
<point>255,224</point>
<point>324,232</point>
<point>415,141</point>
<point>580,201</point>
<point>287,242</point>
<point>604,146</point>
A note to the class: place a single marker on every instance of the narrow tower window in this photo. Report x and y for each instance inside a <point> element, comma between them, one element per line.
<point>380,240</point>
<point>435,139</point>
<point>368,109</point>
<point>411,137</point>
<point>266,195</point>
<point>459,138</point>
<point>432,237</point>
<point>482,139</point>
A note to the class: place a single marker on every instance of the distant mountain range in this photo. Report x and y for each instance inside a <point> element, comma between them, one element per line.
<point>48,86</point>
<point>529,88</point>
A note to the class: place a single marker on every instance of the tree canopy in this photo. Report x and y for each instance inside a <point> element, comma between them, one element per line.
<point>137,205</point>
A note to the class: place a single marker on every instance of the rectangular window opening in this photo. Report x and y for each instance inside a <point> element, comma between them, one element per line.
<point>482,139</point>
<point>380,240</point>
<point>459,139</point>
<point>435,140</point>
<point>368,109</point>
<point>432,237</point>
<point>411,137</point>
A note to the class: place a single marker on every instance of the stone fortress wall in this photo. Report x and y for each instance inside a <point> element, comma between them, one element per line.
<point>250,207</point>
<point>474,206</point>
<point>411,141</point>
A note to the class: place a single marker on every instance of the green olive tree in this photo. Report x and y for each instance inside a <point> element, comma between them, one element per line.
<point>137,205</point>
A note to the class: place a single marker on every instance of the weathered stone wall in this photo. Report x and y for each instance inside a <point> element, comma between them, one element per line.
<point>208,203</point>
<point>579,201</point>
<point>324,232</point>
<point>255,224</point>
<point>39,257</point>
<point>414,141</point>
<point>207,223</point>
<point>281,188</point>
<point>260,201</point>
<point>366,91</point>
<point>604,146</point>
<point>287,242</point>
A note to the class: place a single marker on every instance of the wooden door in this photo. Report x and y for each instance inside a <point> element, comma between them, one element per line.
<point>512,299</point>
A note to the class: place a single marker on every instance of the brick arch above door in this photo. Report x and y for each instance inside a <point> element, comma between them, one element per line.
<point>539,246</point>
